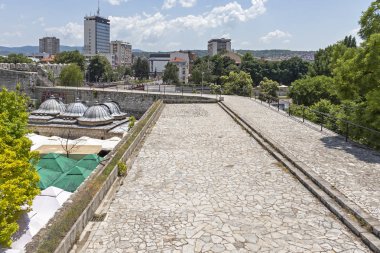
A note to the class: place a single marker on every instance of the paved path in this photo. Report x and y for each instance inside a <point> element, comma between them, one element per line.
<point>202,184</point>
<point>352,170</point>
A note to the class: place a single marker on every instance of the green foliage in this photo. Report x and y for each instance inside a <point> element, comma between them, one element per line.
<point>237,83</point>
<point>204,66</point>
<point>15,58</point>
<point>121,169</point>
<point>128,71</point>
<point>310,90</point>
<point>269,87</point>
<point>132,121</point>
<point>355,71</point>
<point>370,21</point>
<point>71,57</point>
<point>18,177</point>
<point>71,76</point>
<point>322,61</point>
<point>215,88</point>
<point>141,69</point>
<point>100,69</point>
<point>349,41</point>
<point>284,72</point>
<point>171,74</point>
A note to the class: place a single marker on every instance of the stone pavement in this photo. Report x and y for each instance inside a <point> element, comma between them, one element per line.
<point>201,184</point>
<point>352,170</point>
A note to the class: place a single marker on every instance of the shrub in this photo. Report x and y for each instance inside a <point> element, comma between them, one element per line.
<point>121,169</point>
<point>132,121</point>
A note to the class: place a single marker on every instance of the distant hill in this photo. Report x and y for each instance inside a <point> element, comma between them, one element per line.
<point>32,49</point>
<point>274,54</point>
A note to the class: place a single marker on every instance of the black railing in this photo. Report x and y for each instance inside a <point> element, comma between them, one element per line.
<point>348,129</point>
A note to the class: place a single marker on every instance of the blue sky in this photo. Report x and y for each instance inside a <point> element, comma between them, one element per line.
<point>186,24</point>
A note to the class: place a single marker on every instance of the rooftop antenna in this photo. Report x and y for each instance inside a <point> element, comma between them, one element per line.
<point>98,8</point>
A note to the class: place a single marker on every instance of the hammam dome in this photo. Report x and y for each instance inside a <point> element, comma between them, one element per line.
<point>114,109</point>
<point>74,110</point>
<point>96,115</point>
<point>50,107</point>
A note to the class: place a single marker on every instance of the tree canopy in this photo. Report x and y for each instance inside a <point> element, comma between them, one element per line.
<point>15,58</point>
<point>18,177</point>
<point>269,87</point>
<point>99,69</point>
<point>141,69</point>
<point>370,21</point>
<point>71,76</point>
<point>71,57</point>
<point>237,83</point>
<point>171,74</point>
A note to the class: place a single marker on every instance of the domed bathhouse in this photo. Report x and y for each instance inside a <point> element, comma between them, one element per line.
<point>101,121</point>
<point>96,115</point>
<point>114,109</point>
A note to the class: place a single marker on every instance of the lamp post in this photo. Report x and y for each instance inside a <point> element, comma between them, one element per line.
<point>202,84</point>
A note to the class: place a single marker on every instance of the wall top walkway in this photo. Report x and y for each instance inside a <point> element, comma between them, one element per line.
<point>351,169</point>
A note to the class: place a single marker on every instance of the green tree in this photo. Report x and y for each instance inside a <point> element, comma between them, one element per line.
<point>269,87</point>
<point>17,58</point>
<point>141,69</point>
<point>171,74</point>
<point>322,62</point>
<point>100,69</point>
<point>68,57</point>
<point>237,83</point>
<point>71,75</point>
<point>370,21</point>
<point>18,177</point>
<point>291,70</point>
<point>252,66</point>
<point>349,41</point>
<point>202,66</point>
<point>310,90</point>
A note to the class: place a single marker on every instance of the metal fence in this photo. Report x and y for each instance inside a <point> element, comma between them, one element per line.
<point>348,129</point>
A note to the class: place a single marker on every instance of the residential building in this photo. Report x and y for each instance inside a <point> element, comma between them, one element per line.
<point>157,63</point>
<point>49,45</point>
<point>183,69</point>
<point>96,35</point>
<point>122,52</point>
<point>216,46</point>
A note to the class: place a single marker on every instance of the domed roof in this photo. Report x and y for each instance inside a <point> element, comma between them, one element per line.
<point>74,110</point>
<point>114,109</point>
<point>50,107</point>
<point>63,106</point>
<point>95,115</point>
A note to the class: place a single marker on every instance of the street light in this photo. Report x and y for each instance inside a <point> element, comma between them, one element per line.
<point>202,84</point>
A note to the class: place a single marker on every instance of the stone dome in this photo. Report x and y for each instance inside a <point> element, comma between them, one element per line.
<point>96,115</point>
<point>113,109</point>
<point>63,106</point>
<point>50,107</point>
<point>74,110</point>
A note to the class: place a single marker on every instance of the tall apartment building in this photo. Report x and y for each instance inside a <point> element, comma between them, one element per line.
<point>216,46</point>
<point>96,35</point>
<point>49,45</point>
<point>122,53</point>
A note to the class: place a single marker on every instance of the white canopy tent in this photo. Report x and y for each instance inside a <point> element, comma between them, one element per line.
<point>44,207</point>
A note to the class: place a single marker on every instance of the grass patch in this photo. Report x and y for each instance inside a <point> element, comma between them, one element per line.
<point>51,237</point>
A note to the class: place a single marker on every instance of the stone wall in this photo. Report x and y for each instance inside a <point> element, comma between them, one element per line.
<point>28,75</point>
<point>9,79</point>
<point>135,103</point>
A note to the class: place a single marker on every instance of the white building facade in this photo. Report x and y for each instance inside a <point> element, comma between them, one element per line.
<point>157,63</point>
<point>122,53</point>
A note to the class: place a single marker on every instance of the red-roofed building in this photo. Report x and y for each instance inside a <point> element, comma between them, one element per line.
<point>183,67</point>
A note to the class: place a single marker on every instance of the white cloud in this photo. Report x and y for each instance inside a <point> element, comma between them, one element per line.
<point>277,34</point>
<point>116,2</point>
<point>70,34</point>
<point>150,28</point>
<point>2,6</point>
<point>40,20</point>
<point>12,34</point>
<point>187,3</point>
<point>168,4</point>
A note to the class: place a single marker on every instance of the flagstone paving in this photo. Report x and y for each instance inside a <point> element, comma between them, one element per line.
<point>201,184</point>
<point>352,170</point>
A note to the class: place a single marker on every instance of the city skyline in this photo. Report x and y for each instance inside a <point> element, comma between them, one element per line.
<point>169,25</point>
